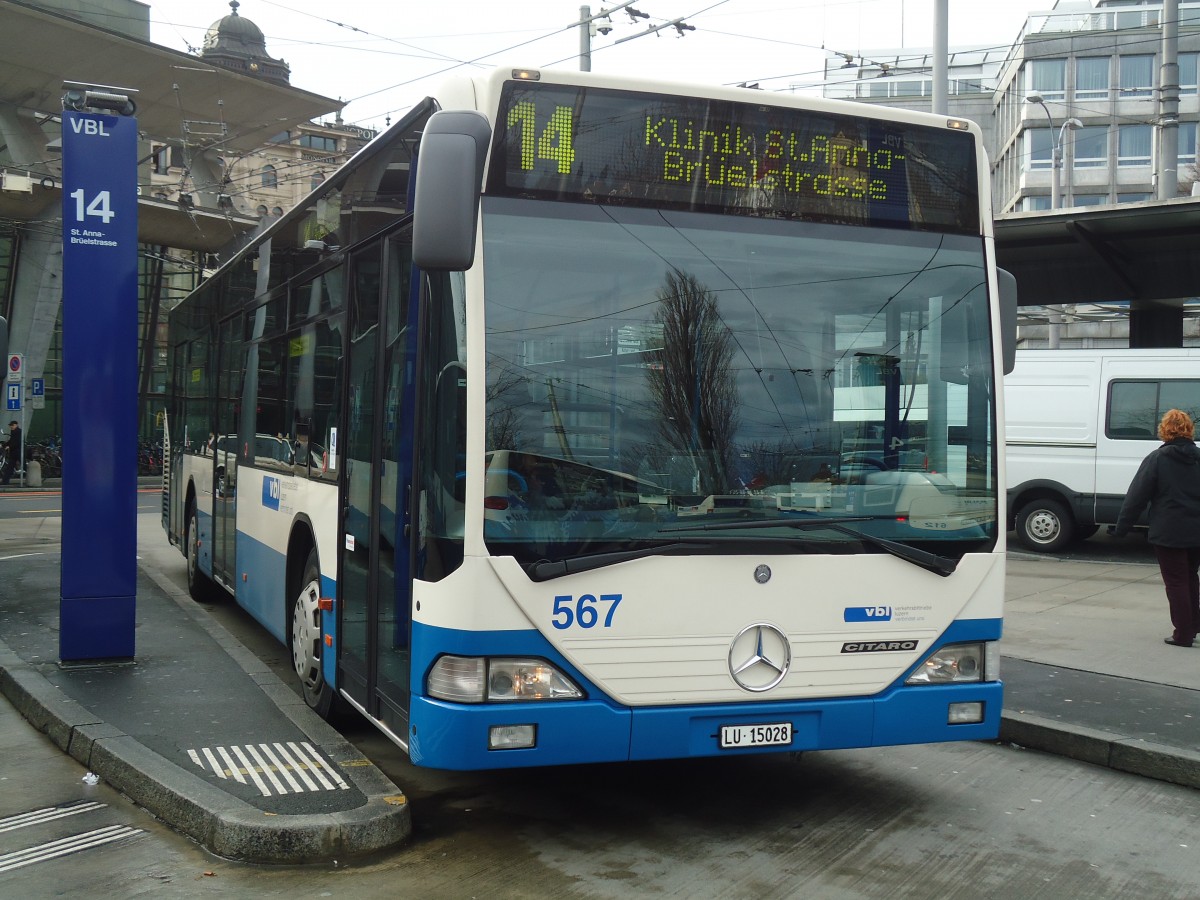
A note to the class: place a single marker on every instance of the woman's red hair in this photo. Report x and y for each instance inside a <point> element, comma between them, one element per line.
<point>1176,424</point>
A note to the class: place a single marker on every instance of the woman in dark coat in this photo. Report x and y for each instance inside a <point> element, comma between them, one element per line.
<point>1169,481</point>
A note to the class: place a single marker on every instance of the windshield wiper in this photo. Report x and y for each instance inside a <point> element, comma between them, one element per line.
<point>545,570</point>
<point>940,565</point>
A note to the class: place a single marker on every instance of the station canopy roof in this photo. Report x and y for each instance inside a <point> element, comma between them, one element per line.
<point>178,94</point>
<point>1144,253</point>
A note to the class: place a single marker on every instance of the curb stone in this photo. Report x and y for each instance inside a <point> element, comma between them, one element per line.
<point>1121,752</point>
<point>221,822</point>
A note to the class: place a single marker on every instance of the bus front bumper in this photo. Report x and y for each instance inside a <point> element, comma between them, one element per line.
<point>460,736</point>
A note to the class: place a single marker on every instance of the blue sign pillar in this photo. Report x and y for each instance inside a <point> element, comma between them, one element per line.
<point>99,315</point>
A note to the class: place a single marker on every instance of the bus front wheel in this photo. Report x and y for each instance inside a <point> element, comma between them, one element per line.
<point>307,640</point>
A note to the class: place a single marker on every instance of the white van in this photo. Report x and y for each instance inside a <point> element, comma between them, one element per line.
<point>1078,425</point>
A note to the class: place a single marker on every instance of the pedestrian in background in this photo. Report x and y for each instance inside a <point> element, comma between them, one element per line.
<point>1168,480</point>
<point>12,452</point>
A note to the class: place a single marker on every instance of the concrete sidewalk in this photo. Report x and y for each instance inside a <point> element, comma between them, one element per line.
<point>1087,674</point>
<point>200,732</point>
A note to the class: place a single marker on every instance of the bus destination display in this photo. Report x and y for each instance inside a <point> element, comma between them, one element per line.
<point>598,145</point>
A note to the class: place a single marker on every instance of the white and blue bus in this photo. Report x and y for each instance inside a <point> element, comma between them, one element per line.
<point>582,419</point>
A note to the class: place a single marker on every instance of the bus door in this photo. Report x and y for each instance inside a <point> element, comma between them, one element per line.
<point>375,577</point>
<point>224,484</point>
<point>393,617</point>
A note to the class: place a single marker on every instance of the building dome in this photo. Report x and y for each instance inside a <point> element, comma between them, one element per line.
<point>235,33</point>
<point>234,42</point>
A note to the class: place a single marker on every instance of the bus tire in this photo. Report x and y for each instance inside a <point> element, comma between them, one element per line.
<point>200,586</point>
<point>1045,526</point>
<point>306,639</point>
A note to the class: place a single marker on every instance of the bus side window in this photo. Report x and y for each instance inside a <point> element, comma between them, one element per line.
<point>441,452</point>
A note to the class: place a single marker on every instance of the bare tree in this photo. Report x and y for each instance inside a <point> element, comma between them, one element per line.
<point>692,382</point>
<point>1190,176</point>
<point>506,391</point>
<point>771,463</point>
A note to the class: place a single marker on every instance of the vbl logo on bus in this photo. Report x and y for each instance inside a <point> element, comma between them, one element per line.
<point>271,492</point>
<point>868,614</point>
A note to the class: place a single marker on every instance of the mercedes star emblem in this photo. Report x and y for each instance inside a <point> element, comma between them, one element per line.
<point>759,657</point>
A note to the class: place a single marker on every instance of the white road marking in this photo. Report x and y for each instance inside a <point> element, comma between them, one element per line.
<point>266,770</point>
<point>319,766</point>
<point>230,768</point>
<point>300,765</point>
<point>65,846</point>
<point>251,770</point>
<point>49,814</point>
<point>279,767</point>
<point>297,765</point>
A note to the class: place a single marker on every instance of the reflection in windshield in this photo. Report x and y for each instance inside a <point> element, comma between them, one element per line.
<point>693,366</point>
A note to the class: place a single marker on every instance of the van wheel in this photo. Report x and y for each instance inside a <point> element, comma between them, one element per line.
<point>1045,526</point>
<point>307,643</point>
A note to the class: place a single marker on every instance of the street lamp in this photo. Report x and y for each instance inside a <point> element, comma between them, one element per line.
<point>1056,152</point>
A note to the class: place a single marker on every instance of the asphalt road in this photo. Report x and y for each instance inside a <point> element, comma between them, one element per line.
<point>921,821</point>
<point>925,821</point>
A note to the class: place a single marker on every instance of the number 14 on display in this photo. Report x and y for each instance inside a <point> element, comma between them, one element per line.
<point>100,207</point>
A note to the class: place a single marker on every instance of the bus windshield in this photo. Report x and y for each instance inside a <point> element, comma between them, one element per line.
<point>695,367</point>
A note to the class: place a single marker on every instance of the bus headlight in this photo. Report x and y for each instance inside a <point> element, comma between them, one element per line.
<point>463,679</point>
<point>959,664</point>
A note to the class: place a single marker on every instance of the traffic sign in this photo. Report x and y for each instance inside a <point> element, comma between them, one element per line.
<point>37,393</point>
<point>16,367</point>
<point>14,396</point>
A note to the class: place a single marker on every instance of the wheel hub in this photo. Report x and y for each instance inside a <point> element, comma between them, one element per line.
<point>1043,526</point>
<point>193,549</point>
<point>306,637</point>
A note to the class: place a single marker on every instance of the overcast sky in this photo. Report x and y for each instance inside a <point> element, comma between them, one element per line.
<point>384,56</point>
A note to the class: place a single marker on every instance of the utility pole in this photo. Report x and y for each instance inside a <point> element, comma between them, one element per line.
<point>590,25</point>
<point>585,39</point>
<point>937,421</point>
<point>1168,104</point>
<point>941,57</point>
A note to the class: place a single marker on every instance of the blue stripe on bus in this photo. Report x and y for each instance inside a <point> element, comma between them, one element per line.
<point>329,627</point>
<point>454,736</point>
<point>261,594</point>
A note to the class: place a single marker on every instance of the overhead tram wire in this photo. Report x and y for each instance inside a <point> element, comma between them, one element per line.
<point>356,29</point>
<point>679,23</point>
<point>485,56</point>
<point>476,60</point>
<point>816,84</point>
<point>1152,40</point>
<point>430,53</point>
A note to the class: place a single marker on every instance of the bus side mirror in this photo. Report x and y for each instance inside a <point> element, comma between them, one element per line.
<point>449,181</point>
<point>1007,284</point>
